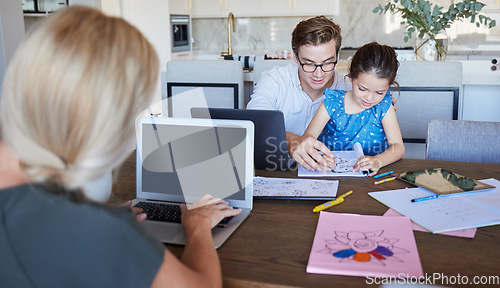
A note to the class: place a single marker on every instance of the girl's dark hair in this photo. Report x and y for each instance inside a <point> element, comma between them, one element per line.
<point>375,58</point>
<point>315,31</point>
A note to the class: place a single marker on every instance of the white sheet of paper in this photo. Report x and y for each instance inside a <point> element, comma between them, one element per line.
<point>294,187</point>
<point>466,233</point>
<point>445,213</point>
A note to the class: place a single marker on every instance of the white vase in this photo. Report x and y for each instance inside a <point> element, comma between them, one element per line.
<point>429,49</point>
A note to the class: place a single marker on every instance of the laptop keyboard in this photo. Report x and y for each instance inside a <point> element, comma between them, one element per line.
<point>167,212</point>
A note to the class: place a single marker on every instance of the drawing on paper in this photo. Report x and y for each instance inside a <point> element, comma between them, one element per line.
<point>343,165</point>
<point>293,187</point>
<point>359,246</point>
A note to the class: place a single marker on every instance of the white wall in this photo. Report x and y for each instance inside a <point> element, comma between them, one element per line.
<point>11,31</point>
<point>152,18</point>
<point>3,62</point>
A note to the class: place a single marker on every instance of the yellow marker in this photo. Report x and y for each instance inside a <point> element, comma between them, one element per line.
<point>329,204</point>
<point>384,180</point>
<point>346,194</point>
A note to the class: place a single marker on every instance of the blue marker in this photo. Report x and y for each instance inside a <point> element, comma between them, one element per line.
<point>424,198</point>
<point>383,174</point>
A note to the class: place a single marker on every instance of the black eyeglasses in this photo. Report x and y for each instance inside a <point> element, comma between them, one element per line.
<point>310,68</point>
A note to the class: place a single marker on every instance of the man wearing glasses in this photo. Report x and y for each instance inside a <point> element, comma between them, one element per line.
<point>297,89</point>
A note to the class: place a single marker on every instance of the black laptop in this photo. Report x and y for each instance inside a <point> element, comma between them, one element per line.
<point>270,139</point>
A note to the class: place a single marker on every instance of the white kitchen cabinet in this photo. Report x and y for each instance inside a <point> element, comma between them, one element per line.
<point>221,8</point>
<point>481,102</point>
<point>297,7</point>
<point>209,8</point>
<point>181,7</point>
<point>315,7</point>
<point>481,91</point>
<point>491,6</point>
<point>276,7</point>
<point>244,8</point>
<point>262,8</point>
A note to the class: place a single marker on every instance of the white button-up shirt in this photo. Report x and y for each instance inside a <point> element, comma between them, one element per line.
<point>280,89</point>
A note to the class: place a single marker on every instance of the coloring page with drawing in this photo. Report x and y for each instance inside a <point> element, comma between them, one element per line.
<point>294,188</point>
<point>344,164</point>
<point>364,245</point>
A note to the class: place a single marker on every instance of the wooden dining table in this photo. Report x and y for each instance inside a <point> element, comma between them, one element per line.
<point>271,248</point>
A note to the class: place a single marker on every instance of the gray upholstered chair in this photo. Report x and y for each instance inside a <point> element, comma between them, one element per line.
<point>429,90</point>
<point>263,65</point>
<point>221,83</point>
<point>463,141</point>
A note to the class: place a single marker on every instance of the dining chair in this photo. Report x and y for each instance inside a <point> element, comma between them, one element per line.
<point>221,84</point>
<point>428,90</point>
<point>463,141</point>
<point>263,65</point>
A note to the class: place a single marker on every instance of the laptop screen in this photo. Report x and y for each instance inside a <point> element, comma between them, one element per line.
<point>271,151</point>
<point>182,159</point>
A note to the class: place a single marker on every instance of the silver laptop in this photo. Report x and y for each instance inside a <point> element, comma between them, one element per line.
<point>180,159</point>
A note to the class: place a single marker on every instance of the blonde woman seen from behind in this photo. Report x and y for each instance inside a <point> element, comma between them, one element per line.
<point>69,101</point>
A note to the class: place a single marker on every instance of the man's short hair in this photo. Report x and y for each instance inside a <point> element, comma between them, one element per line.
<point>315,31</point>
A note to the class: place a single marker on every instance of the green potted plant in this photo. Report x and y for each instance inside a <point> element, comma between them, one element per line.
<point>430,22</point>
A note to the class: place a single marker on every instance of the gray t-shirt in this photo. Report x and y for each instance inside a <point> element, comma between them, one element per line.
<point>48,240</point>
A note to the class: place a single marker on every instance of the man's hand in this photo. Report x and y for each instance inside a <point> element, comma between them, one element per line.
<point>310,153</point>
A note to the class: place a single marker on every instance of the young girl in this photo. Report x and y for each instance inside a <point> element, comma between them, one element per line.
<point>365,113</point>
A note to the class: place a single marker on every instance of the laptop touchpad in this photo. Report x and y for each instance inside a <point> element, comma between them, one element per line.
<point>166,232</point>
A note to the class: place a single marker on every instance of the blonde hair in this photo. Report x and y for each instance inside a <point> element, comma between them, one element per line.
<point>71,95</point>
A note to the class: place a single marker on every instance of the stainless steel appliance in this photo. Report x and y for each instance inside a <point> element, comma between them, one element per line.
<point>181,30</point>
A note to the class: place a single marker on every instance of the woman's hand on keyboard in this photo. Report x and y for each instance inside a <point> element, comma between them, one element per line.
<point>141,216</point>
<point>208,208</point>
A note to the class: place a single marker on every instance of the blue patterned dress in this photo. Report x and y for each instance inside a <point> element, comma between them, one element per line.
<point>343,130</point>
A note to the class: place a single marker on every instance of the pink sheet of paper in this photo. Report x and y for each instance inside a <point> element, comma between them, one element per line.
<point>466,233</point>
<point>364,245</point>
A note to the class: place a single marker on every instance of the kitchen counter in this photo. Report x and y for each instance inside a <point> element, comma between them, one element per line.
<point>478,50</point>
<point>475,72</point>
